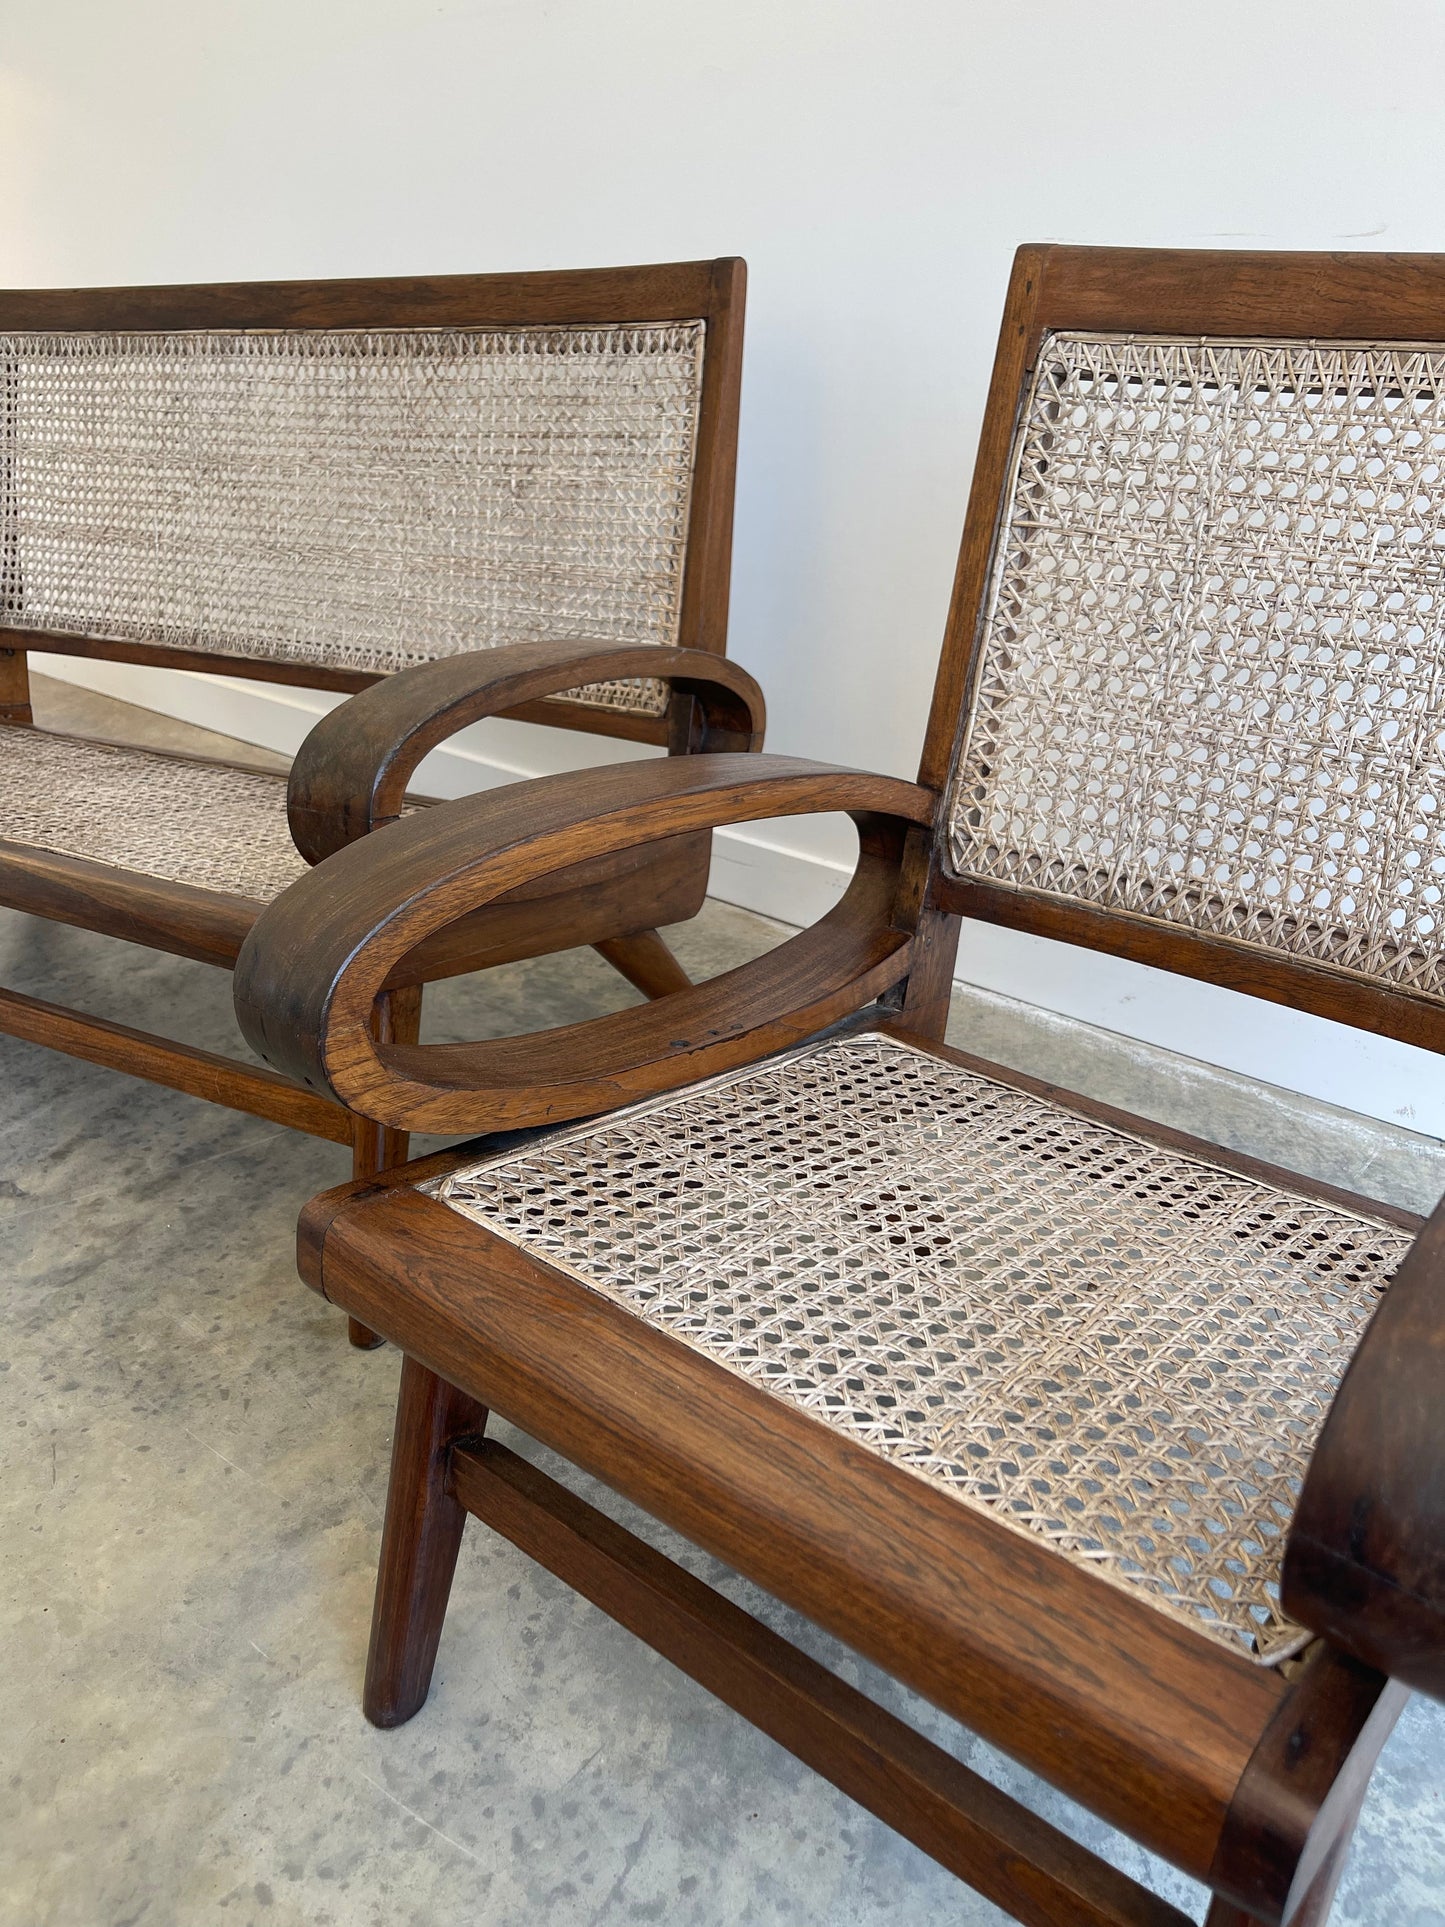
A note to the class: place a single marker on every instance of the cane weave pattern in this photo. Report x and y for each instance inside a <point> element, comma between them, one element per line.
<point>1211,688</point>
<point>1123,1350</point>
<point>135,809</point>
<point>353,500</point>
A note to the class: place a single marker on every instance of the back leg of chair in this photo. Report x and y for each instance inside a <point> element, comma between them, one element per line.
<point>376,1147</point>
<point>420,1542</point>
<point>646,962</point>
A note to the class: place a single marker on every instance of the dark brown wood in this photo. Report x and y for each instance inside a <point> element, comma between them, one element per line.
<point>352,772</point>
<point>599,901</point>
<point>1235,966</point>
<point>1017,1860</point>
<point>1192,292</point>
<point>374,1147</point>
<point>1365,1558</point>
<point>707,571</point>
<point>571,297</point>
<point>1247,1778</point>
<point>419,1543</point>
<point>646,962</point>
<point>1291,1820</point>
<point>14,687</point>
<point>199,1073</point>
<point>619,895</point>
<point>307,979</point>
<point>1114,1702</point>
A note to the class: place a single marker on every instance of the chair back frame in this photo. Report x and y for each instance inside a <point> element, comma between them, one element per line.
<point>1308,297</point>
<point>708,291</point>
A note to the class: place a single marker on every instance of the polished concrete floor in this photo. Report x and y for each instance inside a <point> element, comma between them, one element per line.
<point>194,1465</point>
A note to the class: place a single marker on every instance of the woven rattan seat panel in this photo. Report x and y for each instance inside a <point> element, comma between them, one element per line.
<point>356,500</point>
<point>1211,687</point>
<point>135,809</point>
<point>1113,1346</point>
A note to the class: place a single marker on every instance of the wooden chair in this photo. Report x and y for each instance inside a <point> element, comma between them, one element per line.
<point>478,495</point>
<point>1109,1441</point>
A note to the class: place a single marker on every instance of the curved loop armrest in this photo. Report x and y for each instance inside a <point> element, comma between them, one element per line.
<point>351,772</point>
<point>309,973</point>
<point>1365,1560</point>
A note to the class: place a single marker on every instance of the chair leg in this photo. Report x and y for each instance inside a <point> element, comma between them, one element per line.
<point>376,1147</point>
<point>1313,1909</point>
<point>646,962</point>
<point>419,1544</point>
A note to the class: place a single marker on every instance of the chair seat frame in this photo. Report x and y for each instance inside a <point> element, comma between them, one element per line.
<point>615,907</point>
<point>1249,1779</point>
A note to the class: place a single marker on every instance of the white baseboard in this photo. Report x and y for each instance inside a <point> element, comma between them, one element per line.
<point>778,879</point>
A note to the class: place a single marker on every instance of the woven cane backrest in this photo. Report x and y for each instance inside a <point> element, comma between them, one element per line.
<point>351,499</point>
<point>1209,690</point>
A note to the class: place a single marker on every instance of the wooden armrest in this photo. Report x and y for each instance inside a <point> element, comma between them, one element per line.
<point>352,770</point>
<point>1365,1561</point>
<point>309,973</point>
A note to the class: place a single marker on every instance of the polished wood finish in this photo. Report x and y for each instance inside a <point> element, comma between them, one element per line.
<point>308,976</point>
<point>1289,1825</point>
<point>710,291</point>
<point>420,1541</point>
<point>1366,1557</point>
<point>199,1073</point>
<point>646,962</point>
<point>352,776</point>
<point>1017,1860</point>
<point>352,772</point>
<point>1247,1777</point>
<point>1118,1705</point>
<point>396,1018</point>
<point>1192,292</point>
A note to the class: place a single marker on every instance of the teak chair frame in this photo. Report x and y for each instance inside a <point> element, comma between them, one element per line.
<point>352,771</point>
<point>1248,1778</point>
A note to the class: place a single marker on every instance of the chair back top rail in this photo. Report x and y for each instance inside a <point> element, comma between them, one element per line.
<point>324,482</point>
<point>1191,706</point>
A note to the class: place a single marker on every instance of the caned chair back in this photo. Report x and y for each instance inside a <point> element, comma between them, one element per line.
<point>1204,703</point>
<point>373,492</point>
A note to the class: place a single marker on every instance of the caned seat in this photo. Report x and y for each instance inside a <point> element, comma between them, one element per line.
<point>447,498</point>
<point>1126,1450</point>
<point>1120,1348</point>
<point>174,818</point>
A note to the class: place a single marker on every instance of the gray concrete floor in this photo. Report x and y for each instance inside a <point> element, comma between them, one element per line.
<point>194,1467</point>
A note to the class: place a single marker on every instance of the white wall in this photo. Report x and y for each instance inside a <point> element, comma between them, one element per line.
<point>876,163</point>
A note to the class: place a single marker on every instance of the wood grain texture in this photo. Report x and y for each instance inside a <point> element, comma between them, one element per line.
<point>352,772</point>
<point>646,962</point>
<point>1365,1557</point>
<point>199,1073</point>
<point>1126,1711</point>
<point>1020,1862</point>
<point>601,901</point>
<point>396,1018</point>
<point>1292,1817</point>
<point>307,979</point>
<point>420,1539</point>
<point>713,292</point>
<point>1191,292</point>
<point>1235,966</point>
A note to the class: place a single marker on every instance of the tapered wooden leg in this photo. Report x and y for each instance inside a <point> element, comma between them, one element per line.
<point>1224,1913</point>
<point>419,1544</point>
<point>376,1147</point>
<point>646,962</point>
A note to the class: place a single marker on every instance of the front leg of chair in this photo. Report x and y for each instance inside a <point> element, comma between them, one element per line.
<point>419,1545</point>
<point>375,1147</point>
